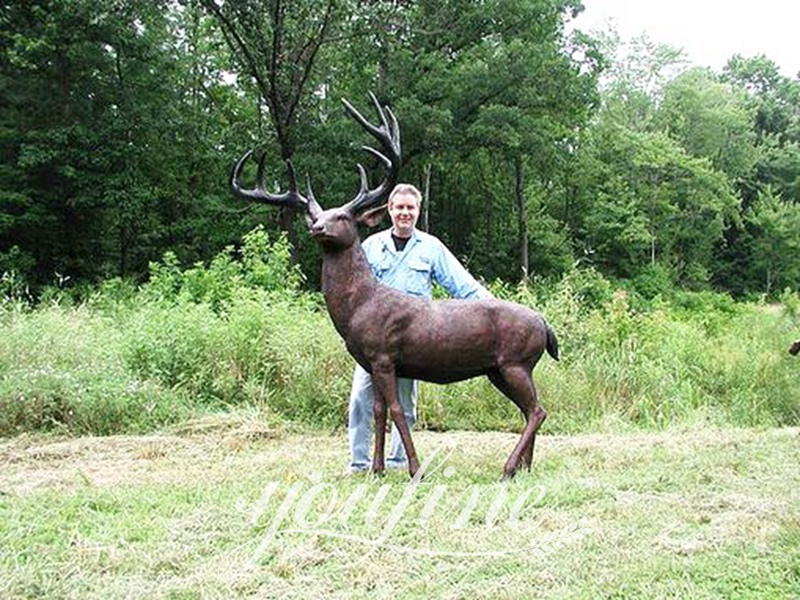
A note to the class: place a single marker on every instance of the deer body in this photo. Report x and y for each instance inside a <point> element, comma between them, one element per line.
<point>409,331</point>
<point>442,341</point>
<point>392,334</point>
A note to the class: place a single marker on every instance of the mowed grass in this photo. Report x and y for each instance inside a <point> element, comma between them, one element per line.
<point>683,513</point>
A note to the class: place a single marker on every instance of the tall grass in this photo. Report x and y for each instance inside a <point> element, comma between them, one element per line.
<point>62,368</point>
<point>239,333</point>
<point>724,364</point>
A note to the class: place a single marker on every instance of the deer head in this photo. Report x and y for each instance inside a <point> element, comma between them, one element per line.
<point>335,227</point>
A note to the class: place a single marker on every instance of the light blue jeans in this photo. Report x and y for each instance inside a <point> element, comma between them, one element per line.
<point>362,418</point>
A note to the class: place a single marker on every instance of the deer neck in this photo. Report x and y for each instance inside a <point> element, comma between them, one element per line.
<point>347,282</point>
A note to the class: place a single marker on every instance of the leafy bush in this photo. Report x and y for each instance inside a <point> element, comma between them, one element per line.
<point>263,349</point>
<point>13,288</point>
<point>652,281</point>
<point>790,301</point>
<point>260,263</point>
<point>704,357</point>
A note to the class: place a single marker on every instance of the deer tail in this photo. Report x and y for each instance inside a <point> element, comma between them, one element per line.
<point>552,342</point>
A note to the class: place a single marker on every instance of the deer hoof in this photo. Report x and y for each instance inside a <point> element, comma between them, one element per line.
<point>412,475</point>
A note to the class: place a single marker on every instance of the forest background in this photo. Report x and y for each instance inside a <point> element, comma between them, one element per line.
<point>120,119</point>
<point>649,208</point>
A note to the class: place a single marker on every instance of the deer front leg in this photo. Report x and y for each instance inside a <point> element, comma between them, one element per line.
<point>385,384</point>
<point>379,408</point>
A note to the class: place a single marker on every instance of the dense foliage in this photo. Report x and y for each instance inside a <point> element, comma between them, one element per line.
<point>539,147</point>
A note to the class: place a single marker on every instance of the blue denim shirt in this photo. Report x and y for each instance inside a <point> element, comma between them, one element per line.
<point>425,259</point>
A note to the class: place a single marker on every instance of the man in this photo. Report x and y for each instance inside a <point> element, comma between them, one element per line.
<point>408,260</point>
<point>794,349</point>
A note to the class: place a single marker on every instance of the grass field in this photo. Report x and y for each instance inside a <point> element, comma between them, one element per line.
<point>683,513</point>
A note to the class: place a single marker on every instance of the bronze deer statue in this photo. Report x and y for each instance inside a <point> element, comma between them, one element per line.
<point>392,334</point>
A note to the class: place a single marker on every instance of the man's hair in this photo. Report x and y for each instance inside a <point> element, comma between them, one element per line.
<point>405,188</point>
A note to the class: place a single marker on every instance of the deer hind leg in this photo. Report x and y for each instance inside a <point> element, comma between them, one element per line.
<point>517,384</point>
<point>385,383</point>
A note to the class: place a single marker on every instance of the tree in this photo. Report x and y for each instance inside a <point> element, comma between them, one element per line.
<point>641,199</point>
<point>775,241</point>
<point>469,77</point>
<point>710,119</point>
<point>774,98</point>
<point>109,147</point>
<point>774,103</point>
<point>72,133</point>
<point>277,43</point>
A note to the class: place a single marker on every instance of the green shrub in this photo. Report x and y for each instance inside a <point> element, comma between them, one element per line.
<point>262,348</point>
<point>704,357</point>
<point>790,300</point>
<point>652,281</point>
<point>260,263</point>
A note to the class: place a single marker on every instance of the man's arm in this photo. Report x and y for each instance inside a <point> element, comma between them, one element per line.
<point>454,277</point>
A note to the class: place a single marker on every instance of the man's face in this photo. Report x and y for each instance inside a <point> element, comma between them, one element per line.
<point>404,211</point>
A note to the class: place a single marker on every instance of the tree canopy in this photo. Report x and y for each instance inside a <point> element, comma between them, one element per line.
<point>538,147</point>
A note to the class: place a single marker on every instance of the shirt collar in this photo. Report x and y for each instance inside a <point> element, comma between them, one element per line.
<point>386,239</point>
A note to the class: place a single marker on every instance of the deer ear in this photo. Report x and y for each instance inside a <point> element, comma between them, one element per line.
<point>373,216</point>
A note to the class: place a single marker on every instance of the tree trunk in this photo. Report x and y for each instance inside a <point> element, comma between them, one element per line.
<point>281,65</point>
<point>522,219</point>
<point>426,195</point>
<point>123,251</point>
<point>652,249</point>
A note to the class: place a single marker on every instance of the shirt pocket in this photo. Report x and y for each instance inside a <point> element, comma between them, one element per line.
<point>419,278</point>
<point>381,267</point>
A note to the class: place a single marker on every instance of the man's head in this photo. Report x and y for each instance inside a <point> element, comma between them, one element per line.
<point>403,206</point>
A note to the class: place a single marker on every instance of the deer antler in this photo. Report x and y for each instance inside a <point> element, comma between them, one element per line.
<point>388,134</point>
<point>291,198</point>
